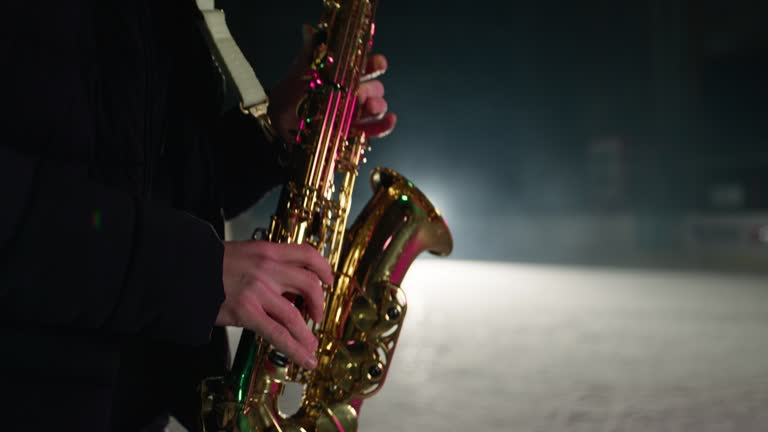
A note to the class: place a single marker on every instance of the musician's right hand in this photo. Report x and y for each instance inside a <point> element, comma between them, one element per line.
<point>256,276</point>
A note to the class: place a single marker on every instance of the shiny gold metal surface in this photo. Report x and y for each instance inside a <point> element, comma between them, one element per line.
<point>365,308</point>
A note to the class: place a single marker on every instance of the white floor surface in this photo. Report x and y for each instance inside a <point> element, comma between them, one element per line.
<point>503,347</point>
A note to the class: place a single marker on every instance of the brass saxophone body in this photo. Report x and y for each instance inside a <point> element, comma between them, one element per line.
<point>365,307</point>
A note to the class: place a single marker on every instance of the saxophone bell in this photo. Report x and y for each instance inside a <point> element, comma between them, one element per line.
<point>366,306</point>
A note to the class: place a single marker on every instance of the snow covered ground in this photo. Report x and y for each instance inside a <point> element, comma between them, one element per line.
<point>506,347</point>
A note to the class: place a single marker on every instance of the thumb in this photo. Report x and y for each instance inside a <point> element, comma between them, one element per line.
<point>307,36</point>
<point>306,54</point>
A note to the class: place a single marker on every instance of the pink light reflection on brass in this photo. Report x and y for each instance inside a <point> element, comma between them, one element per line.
<point>386,243</point>
<point>409,253</point>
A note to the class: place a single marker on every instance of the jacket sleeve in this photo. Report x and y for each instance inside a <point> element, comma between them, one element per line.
<point>75,255</point>
<point>247,165</point>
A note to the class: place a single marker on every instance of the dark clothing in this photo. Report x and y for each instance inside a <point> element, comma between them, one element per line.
<point>115,166</point>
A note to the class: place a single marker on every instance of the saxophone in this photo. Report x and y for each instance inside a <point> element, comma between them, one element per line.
<point>365,308</point>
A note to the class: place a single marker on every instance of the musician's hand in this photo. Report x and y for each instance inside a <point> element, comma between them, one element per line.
<point>374,119</point>
<point>256,276</point>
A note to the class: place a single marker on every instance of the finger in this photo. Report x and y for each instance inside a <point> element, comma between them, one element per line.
<point>373,108</point>
<point>284,312</point>
<point>304,255</point>
<point>279,336</point>
<point>369,90</point>
<point>301,255</point>
<point>378,128</point>
<point>375,67</point>
<point>303,282</point>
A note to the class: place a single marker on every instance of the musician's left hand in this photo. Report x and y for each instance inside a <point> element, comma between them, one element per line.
<point>374,120</point>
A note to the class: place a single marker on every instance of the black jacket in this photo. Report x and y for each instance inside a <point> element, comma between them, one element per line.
<point>115,168</point>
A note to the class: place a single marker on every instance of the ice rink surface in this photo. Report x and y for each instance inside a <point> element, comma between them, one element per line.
<point>504,347</point>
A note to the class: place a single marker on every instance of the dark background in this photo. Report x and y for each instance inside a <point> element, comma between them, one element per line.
<point>607,133</point>
<point>592,132</point>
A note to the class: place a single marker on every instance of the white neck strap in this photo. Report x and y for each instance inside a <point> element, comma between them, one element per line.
<point>231,60</point>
